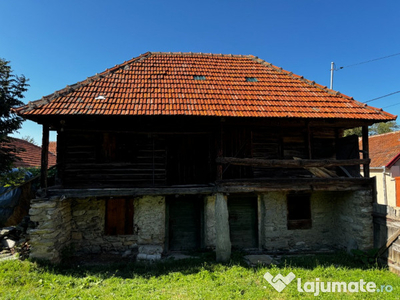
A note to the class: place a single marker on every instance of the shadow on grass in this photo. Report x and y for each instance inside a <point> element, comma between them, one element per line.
<point>202,261</point>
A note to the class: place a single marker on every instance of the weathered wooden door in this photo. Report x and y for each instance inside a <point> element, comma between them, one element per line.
<point>243,221</point>
<point>184,222</point>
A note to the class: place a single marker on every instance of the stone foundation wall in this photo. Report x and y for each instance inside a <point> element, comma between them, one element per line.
<point>353,220</point>
<point>88,229</point>
<point>276,236</point>
<point>149,219</point>
<point>339,220</point>
<point>53,231</point>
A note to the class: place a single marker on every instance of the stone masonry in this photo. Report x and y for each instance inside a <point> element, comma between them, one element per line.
<point>53,232</point>
<point>353,220</point>
<point>149,220</point>
<point>88,223</point>
<point>339,220</point>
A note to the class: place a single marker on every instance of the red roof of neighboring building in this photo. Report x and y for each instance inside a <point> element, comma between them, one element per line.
<point>31,157</point>
<point>53,148</point>
<point>384,149</point>
<point>200,85</point>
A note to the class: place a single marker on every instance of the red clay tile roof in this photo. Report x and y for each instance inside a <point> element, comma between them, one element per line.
<point>163,84</point>
<point>31,157</point>
<point>53,148</point>
<point>384,149</point>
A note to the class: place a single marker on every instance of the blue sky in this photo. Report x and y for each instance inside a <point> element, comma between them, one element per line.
<point>55,43</point>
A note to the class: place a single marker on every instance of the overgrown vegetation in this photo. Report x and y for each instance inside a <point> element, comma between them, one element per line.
<point>189,279</point>
<point>18,177</point>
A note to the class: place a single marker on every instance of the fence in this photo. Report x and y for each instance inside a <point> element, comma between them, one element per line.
<point>386,235</point>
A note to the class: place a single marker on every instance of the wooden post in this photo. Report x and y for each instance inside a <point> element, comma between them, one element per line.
<point>60,156</point>
<point>45,157</point>
<point>219,144</point>
<point>365,150</point>
<point>309,140</point>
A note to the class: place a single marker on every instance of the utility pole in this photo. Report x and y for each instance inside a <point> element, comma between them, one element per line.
<point>332,69</point>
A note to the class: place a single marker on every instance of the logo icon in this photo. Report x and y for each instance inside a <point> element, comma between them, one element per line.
<point>279,282</point>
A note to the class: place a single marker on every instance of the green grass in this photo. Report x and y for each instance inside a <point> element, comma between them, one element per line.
<point>187,279</point>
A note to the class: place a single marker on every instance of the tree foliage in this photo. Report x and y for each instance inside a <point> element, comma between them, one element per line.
<point>29,139</point>
<point>380,128</point>
<point>12,88</point>
<point>377,128</point>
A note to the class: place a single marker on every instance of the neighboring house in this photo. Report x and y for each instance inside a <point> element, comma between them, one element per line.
<point>30,156</point>
<point>384,151</point>
<point>181,151</point>
<point>53,148</point>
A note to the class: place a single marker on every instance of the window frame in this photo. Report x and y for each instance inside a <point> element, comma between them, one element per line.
<point>299,214</point>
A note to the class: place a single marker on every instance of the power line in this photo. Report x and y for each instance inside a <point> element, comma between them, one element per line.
<point>382,97</point>
<point>367,61</point>
<point>391,105</point>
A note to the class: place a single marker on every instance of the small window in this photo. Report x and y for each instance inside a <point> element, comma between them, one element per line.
<point>119,216</point>
<point>298,211</point>
<point>199,77</point>
<point>251,79</point>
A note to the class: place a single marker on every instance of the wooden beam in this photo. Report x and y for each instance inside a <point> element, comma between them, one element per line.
<point>45,157</point>
<point>389,242</point>
<point>226,186</point>
<point>298,184</point>
<point>303,163</point>
<point>365,151</point>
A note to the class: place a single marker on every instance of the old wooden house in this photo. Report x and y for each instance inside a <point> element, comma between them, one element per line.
<point>177,151</point>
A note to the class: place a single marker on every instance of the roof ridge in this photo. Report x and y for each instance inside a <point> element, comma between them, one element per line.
<point>203,53</point>
<point>29,143</point>
<point>25,141</point>
<point>387,133</point>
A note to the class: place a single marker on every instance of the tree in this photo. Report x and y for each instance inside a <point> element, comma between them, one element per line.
<point>357,131</point>
<point>12,88</point>
<point>29,139</point>
<point>377,128</point>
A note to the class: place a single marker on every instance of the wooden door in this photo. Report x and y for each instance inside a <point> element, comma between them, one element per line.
<point>243,224</point>
<point>184,222</point>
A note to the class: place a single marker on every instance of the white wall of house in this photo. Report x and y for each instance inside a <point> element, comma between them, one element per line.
<point>386,184</point>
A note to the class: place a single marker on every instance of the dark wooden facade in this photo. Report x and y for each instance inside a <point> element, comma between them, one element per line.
<point>151,152</point>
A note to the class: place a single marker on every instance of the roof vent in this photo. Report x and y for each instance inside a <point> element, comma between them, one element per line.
<point>251,79</point>
<point>199,77</point>
<point>101,97</point>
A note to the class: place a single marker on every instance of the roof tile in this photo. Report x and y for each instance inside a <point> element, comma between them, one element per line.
<point>384,148</point>
<point>31,156</point>
<point>139,87</point>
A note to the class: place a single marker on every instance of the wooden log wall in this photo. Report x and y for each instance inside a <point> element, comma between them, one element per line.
<point>237,142</point>
<point>111,159</point>
<point>183,151</point>
<point>266,146</point>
